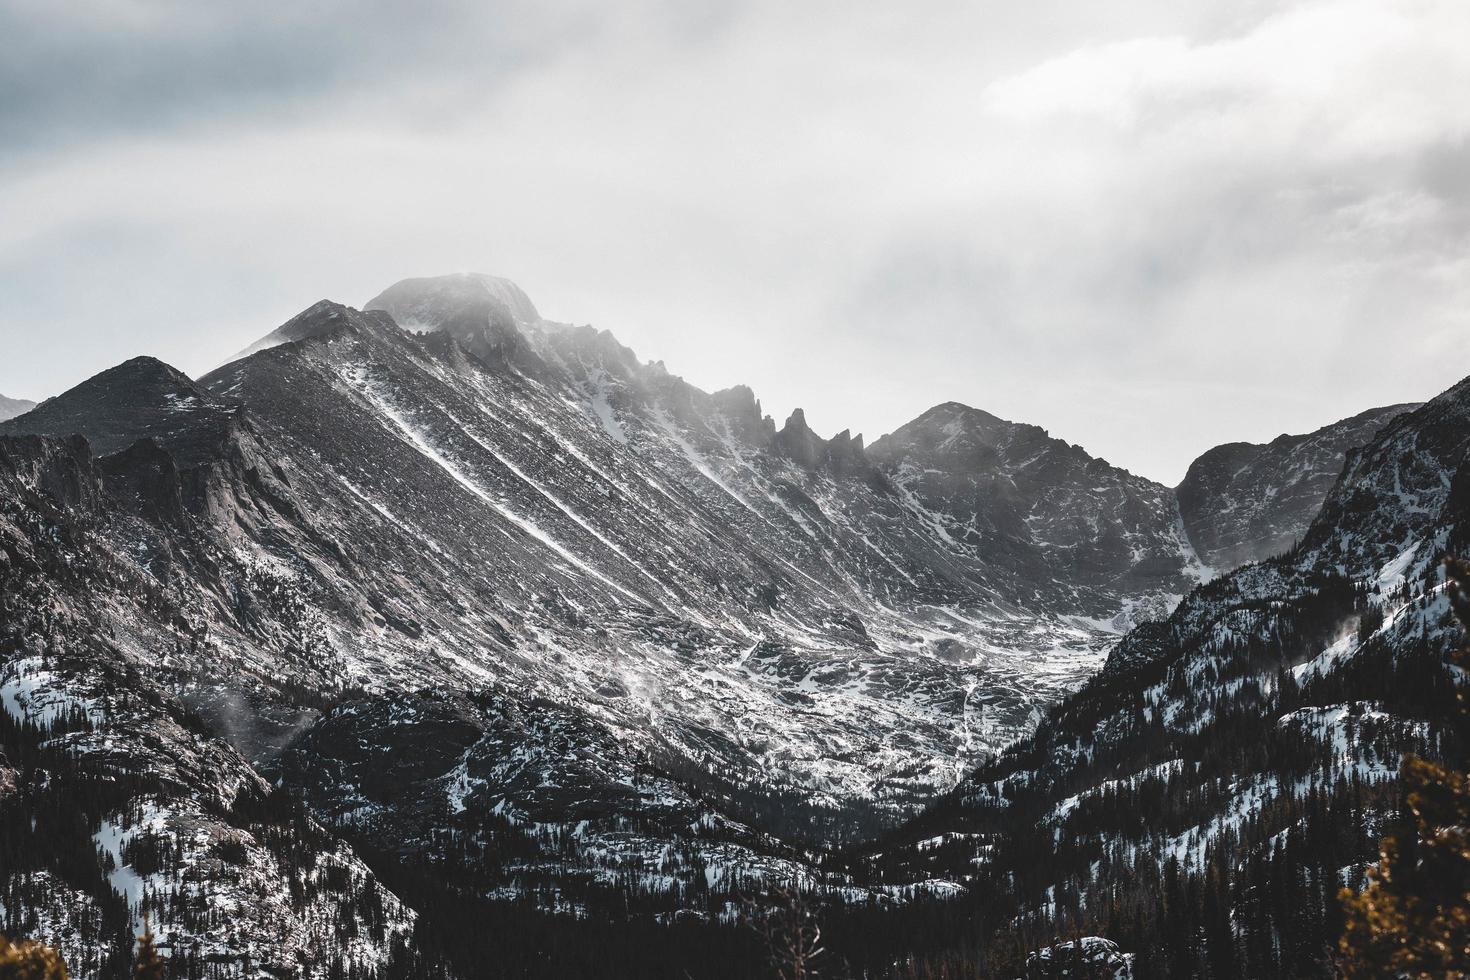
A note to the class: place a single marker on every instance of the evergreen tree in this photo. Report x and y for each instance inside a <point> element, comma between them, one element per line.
<point>1413,917</point>
<point>148,965</point>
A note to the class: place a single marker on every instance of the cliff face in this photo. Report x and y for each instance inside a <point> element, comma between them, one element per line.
<point>1244,502</point>
<point>1080,532</point>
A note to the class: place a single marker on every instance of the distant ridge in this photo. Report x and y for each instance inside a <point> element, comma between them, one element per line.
<point>11,407</point>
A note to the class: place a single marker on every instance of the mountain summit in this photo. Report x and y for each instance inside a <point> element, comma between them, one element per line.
<point>1042,507</point>
<point>443,302</point>
<point>142,398</point>
<point>488,315</point>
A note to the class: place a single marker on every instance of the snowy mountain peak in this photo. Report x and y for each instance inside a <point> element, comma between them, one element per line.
<point>320,319</point>
<point>952,430</point>
<point>490,317</point>
<point>429,303</point>
<point>145,370</point>
<point>324,318</point>
<point>142,377</point>
<point>1039,505</point>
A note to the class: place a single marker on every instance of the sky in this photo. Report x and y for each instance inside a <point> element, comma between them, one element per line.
<point>1150,226</point>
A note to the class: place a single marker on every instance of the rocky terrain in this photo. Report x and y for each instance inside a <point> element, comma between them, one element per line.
<point>437,604</point>
<point>1244,502</point>
<point>116,801</point>
<point>1234,765</point>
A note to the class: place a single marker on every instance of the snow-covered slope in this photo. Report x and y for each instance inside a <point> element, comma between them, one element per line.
<point>1250,741</point>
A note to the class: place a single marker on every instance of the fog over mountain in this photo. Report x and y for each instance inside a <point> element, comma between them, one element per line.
<point>1054,212</point>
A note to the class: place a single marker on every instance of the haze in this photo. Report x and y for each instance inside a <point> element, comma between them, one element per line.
<point>1150,227</point>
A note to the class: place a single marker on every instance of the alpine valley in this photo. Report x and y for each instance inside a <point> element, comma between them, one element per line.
<point>434,638</point>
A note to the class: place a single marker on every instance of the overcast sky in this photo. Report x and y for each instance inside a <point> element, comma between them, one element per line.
<point>1149,226</point>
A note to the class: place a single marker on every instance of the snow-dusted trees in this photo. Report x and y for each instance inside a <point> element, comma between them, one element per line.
<point>1413,917</point>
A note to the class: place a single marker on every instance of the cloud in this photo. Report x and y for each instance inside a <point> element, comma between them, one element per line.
<point>1149,228</point>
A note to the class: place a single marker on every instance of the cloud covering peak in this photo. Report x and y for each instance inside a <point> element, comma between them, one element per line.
<point>1149,228</point>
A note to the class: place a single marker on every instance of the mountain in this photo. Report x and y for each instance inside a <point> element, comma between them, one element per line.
<point>1081,530</point>
<point>1245,502</point>
<point>11,407</point>
<point>439,631</point>
<point>118,801</point>
<point>596,617</point>
<point>1236,763</point>
<point>143,398</point>
<point>489,316</point>
<point>561,482</point>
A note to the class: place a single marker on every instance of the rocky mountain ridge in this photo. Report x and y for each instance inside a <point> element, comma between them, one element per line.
<point>1234,765</point>
<point>491,596</point>
<point>1244,502</point>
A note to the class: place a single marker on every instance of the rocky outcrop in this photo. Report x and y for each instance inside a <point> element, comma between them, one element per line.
<point>1244,502</point>
<point>1078,529</point>
<point>140,398</point>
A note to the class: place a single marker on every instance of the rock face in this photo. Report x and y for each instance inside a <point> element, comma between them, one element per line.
<point>1398,492</point>
<point>11,407</point>
<point>1244,502</point>
<point>1074,528</point>
<point>116,798</point>
<point>143,398</point>
<point>1089,956</point>
<point>488,316</point>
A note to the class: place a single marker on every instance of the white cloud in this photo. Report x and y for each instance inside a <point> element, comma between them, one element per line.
<point>1150,228</point>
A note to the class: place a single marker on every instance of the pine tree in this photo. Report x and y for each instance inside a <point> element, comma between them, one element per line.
<point>1413,917</point>
<point>148,965</point>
